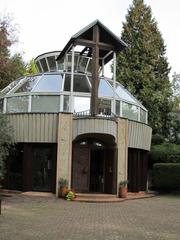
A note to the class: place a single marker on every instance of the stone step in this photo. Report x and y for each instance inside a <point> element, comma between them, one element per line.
<point>111,198</point>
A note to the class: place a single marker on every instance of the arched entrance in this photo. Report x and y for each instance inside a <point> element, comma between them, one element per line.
<point>94,164</point>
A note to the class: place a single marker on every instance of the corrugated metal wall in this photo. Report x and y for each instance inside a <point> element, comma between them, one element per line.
<point>139,135</point>
<point>93,125</point>
<point>42,127</point>
<point>34,127</point>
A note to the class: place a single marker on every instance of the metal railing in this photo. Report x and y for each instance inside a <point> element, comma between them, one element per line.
<point>87,114</point>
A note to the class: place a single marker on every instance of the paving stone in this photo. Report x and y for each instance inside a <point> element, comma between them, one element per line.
<point>43,218</point>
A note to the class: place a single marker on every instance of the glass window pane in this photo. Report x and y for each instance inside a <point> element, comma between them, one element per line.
<point>68,62</point>
<point>81,104</point>
<point>45,104</point>
<point>75,63</point>
<point>81,83</point>
<point>52,63</point>
<point>49,83</point>
<point>38,66</point>
<point>11,85</point>
<point>82,64</point>
<point>60,64</point>
<point>104,107</point>
<point>66,104</point>
<point>89,68</point>
<point>28,85</point>
<point>44,64</point>
<point>104,89</point>
<point>1,105</point>
<point>67,82</point>
<point>129,111</point>
<point>17,104</point>
<point>143,115</point>
<point>118,108</point>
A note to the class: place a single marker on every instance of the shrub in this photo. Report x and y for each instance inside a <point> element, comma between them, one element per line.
<point>157,139</point>
<point>70,196</point>
<point>166,176</point>
<point>164,153</point>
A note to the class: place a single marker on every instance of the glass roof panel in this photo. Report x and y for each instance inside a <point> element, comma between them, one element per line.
<point>105,90</point>
<point>123,94</point>
<point>80,83</point>
<point>28,84</point>
<point>49,83</point>
<point>11,85</point>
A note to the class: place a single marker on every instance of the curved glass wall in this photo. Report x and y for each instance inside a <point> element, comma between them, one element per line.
<point>47,63</point>
<point>51,92</point>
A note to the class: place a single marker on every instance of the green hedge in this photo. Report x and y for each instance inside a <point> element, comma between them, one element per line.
<point>164,153</point>
<point>166,176</point>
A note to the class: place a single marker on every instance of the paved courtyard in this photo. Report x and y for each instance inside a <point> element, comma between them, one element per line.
<point>45,218</point>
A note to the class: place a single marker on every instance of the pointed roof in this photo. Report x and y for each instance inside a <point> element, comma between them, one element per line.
<point>106,36</point>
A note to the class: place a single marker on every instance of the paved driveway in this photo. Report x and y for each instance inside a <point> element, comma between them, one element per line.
<point>46,218</point>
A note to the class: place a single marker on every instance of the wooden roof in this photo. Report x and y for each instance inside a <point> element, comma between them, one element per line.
<point>108,41</point>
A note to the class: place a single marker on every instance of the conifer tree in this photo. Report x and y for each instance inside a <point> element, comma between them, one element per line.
<point>142,67</point>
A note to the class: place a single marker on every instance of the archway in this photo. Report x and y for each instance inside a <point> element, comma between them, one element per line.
<point>94,163</point>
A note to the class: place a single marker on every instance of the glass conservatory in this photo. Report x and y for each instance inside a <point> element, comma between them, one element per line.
<point>51,91</point>
<point>70,121</point>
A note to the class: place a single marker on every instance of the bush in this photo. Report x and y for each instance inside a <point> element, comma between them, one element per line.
<point>164,153</point>
<point>70,196</point>
<point>157,139</point>
<point>166,176</point>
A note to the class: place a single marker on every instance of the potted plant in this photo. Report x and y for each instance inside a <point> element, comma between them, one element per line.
<point>123,189</point>
<point>63,187</point>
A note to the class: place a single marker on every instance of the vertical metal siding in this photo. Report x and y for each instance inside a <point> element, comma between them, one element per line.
<point>139,135</point>
<point>93,125</point>
<point>34,127</point>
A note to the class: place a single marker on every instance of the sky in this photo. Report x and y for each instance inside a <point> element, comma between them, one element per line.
<point>47,25</point>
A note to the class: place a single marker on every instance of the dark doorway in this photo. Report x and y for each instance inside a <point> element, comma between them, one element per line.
<point>39,168</point>
<point>97,171</point>
<point>137,170</point>
<point>102,170</point>
<point>42,169</point>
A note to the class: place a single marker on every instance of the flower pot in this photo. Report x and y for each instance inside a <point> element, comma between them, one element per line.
<point>63,191</point>
<point>123,192</point>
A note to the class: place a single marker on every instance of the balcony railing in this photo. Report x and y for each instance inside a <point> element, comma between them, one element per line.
<point>87,114</point>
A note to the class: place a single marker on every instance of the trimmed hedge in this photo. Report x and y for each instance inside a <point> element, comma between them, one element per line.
<point>164,153</point>
<point>166,176</point>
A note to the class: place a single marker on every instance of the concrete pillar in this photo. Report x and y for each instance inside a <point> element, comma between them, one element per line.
<point>64,148</point>
<point>122,150</point>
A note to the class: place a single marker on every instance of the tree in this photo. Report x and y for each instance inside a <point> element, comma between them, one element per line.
<point>11,67</point>
<point>176,91</point>
<point>142,67</point>
<point>31,67</point>
<point>5,143</point>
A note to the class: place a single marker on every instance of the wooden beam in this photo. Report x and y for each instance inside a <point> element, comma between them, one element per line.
<point>84,42</point>
<point>95,75</point>
<point>89,43</point>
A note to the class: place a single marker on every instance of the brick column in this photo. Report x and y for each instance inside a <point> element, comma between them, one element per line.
<point>122,150</point>
<point>64,148</point>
